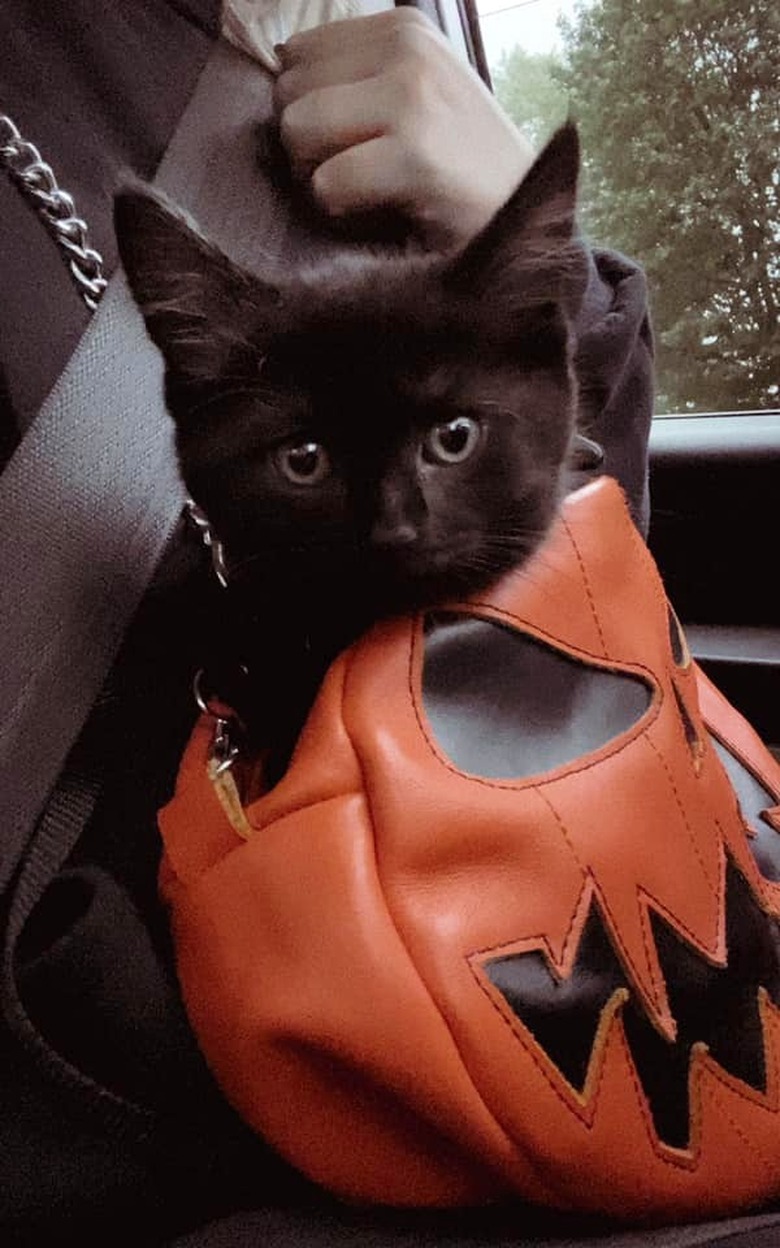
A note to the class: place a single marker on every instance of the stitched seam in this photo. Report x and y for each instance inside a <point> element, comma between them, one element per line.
<point>584,1107</point>
<point>586,583</point>
<point>572,768</point>
<point>674,921</point>
<point>489,611</point>
<point>717,1101</point>
<point>714,886</point>
<point>732,1083</point>
<point>539,942</point>
<point>623,953</point>
<point>491,1166</point>
<point>533,784</point>
<point>677,1159</point>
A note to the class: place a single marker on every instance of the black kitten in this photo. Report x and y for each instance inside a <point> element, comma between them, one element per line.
<point>382,433</point>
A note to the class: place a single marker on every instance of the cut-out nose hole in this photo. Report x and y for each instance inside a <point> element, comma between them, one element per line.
<point>693,740</point>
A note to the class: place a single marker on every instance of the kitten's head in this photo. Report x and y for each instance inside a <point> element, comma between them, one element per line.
<point>395,422</point>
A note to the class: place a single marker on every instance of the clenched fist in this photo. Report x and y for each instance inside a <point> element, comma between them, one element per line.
<point>380,112</point>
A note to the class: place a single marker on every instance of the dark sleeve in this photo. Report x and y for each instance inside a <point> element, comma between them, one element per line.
<point>614,362</point>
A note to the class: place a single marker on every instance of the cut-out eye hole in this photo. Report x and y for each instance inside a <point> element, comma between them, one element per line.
<point>680,652</point>
<point>305,463</point>
<point>452,441</point>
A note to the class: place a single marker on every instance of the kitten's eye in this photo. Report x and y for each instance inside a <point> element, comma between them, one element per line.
<point>304,464</point>
<point>451,442</point>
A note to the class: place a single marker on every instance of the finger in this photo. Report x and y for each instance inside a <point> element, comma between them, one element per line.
<point>377,32</point>
<point>372,174</point>
<point>352,51</point>
<point>322,123</point>
<point>354,65</point>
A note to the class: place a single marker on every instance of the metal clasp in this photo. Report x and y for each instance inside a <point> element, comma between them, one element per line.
<point>224,750</point>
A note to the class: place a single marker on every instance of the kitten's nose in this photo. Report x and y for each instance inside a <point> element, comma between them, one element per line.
<point>399,516</point>
<point>394,534</point>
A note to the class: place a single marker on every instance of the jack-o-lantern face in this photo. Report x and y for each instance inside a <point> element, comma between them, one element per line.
<point>502,704</point>
<point>508,924</point>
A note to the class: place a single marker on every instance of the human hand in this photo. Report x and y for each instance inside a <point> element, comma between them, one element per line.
<point>380,112</point>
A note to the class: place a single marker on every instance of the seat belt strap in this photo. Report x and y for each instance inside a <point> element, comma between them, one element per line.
<point>92,493</point>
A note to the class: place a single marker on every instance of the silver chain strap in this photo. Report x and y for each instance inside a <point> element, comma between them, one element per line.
<point>35,179</point>
<point>200,523</point>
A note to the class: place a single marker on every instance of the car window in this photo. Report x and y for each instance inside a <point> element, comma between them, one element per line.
<point>678,105</point>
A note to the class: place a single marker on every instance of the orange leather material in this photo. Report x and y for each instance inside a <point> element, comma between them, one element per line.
<point>337,937</point>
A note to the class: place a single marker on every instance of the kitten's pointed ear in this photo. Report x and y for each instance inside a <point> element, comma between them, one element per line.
<point>533,234</point>
<point>198,306</point>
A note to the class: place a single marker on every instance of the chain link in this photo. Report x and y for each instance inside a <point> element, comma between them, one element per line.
<point>36,181</point>
<point>200,523</point>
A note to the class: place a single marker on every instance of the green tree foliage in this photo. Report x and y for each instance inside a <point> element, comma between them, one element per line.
<point>529,89</point>
<point>678,103</point>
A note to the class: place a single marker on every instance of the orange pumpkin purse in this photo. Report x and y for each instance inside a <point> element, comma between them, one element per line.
<point>508,925</point>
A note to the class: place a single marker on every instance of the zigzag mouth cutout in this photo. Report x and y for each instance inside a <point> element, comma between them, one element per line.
<point>716,1008</point>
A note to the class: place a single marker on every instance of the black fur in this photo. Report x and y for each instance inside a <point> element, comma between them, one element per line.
<point>366,360</point>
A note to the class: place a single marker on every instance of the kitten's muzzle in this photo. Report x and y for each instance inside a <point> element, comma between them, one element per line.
<point>394,535</point>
